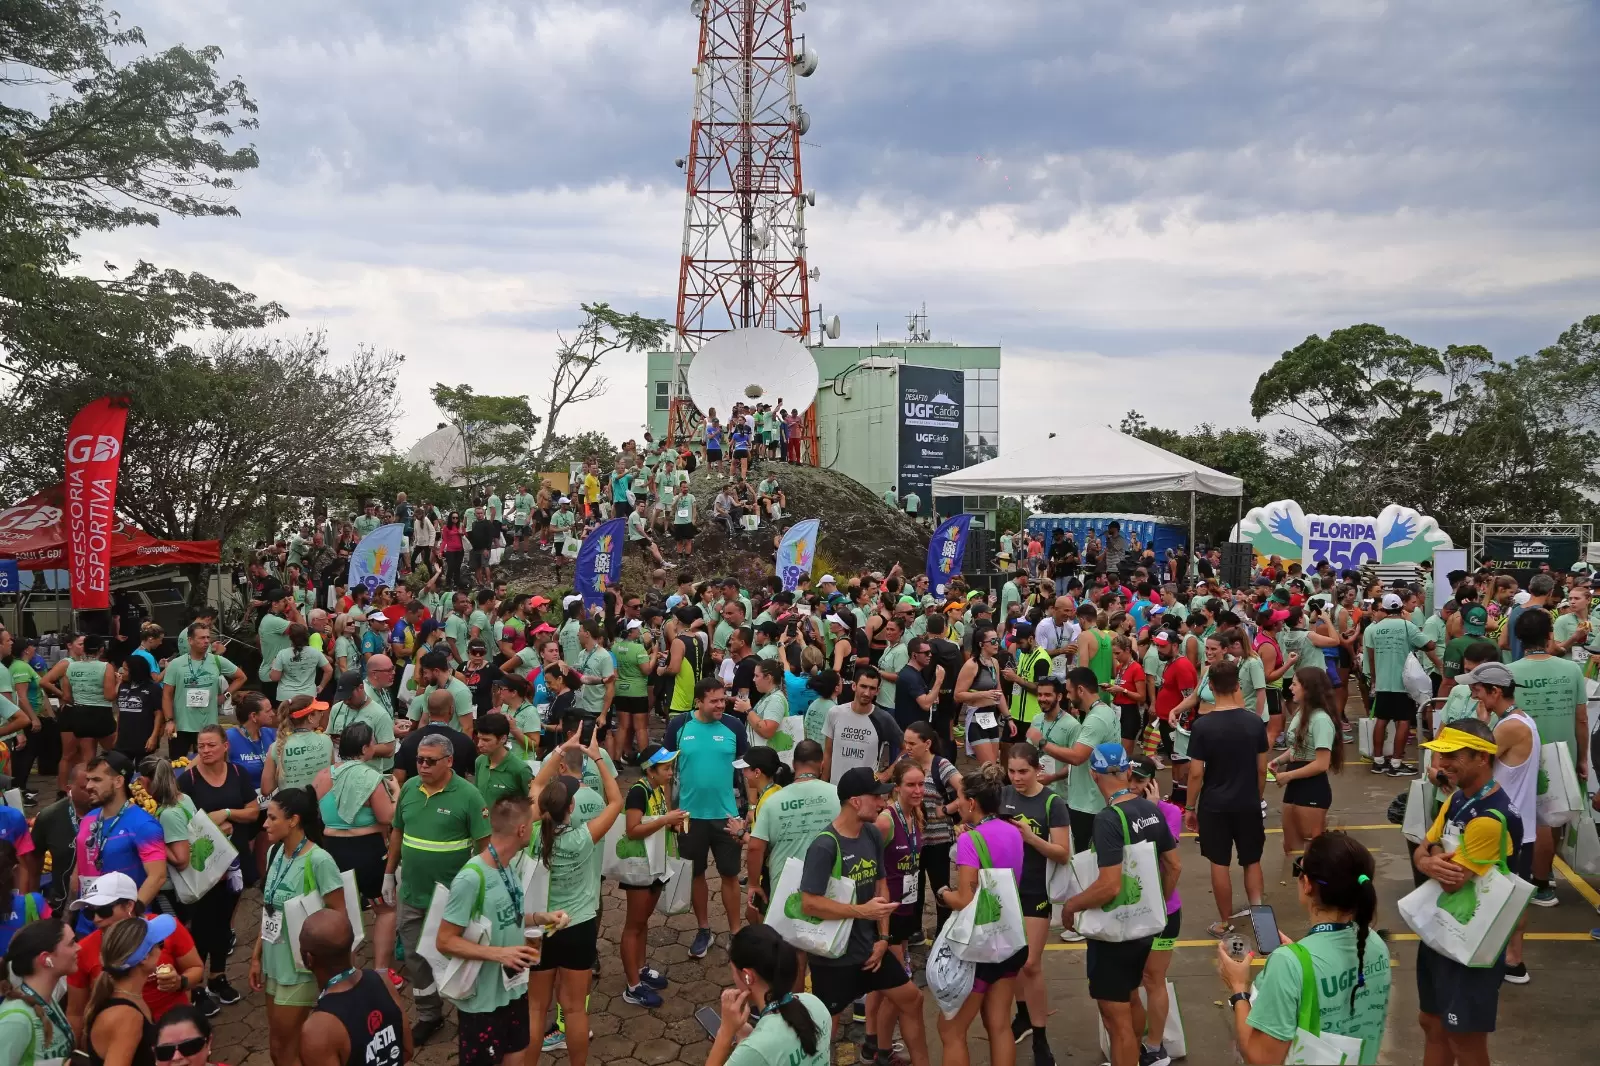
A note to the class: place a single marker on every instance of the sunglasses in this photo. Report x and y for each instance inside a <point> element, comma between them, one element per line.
<point>1299,870</point>
<point>165,1052</point>
<point>428,760</point>
<point>107,911</point>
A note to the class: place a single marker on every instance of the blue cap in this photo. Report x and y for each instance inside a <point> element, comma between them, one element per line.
<point>1108,758</point>
<point>655,755</point>
<point>157,929</point>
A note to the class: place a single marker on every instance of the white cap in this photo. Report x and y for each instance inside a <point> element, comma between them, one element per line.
<point>568,601</point>
<point>108,889</point>
<point>563,500</point>
<point>827,579</point>
<point>1522,598</point>
<point>834,619</point>
<point>635,624</point>
<point>1391,602</point>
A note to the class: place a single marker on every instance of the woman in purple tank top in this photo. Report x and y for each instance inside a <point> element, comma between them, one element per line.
<point>902,829</point>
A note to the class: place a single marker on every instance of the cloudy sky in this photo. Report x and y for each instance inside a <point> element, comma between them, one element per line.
<point>1144,203</point>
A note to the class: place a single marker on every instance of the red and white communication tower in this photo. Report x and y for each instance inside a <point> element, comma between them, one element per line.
<point>744,231</point>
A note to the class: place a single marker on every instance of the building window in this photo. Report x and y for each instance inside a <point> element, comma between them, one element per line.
<point>663,395</point>
<point>981,415</point>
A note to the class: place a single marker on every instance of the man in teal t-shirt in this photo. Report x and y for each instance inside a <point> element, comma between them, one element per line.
<point>1100,725</point>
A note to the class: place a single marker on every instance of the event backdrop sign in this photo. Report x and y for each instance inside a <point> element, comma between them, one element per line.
<point>376,560</point>
<point>599,564</point>
<point>931,439</point>
<point>94,460</point>
<point>1530,552</point>
<point>945,552</point>
<point>1397,535</point>
<point>796,551</point>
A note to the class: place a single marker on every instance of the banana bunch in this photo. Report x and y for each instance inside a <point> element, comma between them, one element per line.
<point>137,793</point>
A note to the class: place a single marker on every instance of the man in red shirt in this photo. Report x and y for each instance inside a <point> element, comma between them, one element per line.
<point>1178,681</point>
<point>112,899</point>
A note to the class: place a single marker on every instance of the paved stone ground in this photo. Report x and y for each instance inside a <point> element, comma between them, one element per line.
<point>1548,1021</point>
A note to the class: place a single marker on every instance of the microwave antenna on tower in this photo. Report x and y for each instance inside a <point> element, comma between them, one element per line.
<point>744,233</point>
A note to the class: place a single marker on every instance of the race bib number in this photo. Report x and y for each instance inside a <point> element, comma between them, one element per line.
<point>910,884</point>
<point>683,514</point>
<point>271,926</point>
<point>196,697</point>
<point>985,720</point>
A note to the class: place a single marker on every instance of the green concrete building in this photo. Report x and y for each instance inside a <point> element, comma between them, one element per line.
<point>870,419</point>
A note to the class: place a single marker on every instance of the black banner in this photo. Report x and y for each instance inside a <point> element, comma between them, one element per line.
<point>1530,552</point>
<point>931,438</point>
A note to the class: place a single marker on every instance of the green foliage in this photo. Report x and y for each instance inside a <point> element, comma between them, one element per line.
<point>496,431</point>
<point>394,475</point>
<point>604,332</point>
<point>590,444</point>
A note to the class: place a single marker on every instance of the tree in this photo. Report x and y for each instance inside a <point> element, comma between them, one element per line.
<point>590,444</point>
<point>119,141</point>
<point>496,432</point>
<point>604,331</point>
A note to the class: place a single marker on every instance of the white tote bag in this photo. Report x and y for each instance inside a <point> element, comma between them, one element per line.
<point>459,978</point>
<point>210,855</point>
<point>1059,884</point>
<point>676,893</point>
<point>352,908</point>
<point>1138,909</point>
<point>14,799</point>
<point>1418,685</point>
<point>535,885</point>
<point>636,863</point>
<point>791,731</point>
<point>1311,1046</point>
<point>1472,924</point>
<point>950,977</point>
<point>1172,1037</point>
<point>989,929</point>
<point>826,938</point>
<point>1364,736</point>
<point>295,913</point>
<point>1580,847</point>
<point>1561,798</point>
<point>427,945</point>
<point>1419,811</point>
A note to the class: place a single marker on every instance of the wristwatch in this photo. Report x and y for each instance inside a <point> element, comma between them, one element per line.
<point>1238,997</point>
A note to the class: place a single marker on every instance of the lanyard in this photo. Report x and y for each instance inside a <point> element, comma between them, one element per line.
<point>351,972</point>
<point>1119,794</point>
<point>1329,927</point>
<point>274,885</point>
<point>1460,818</point>
<point>56,1015</point>
<point>512,890</point>
<point>101,836</point>
<point>776,1005</point>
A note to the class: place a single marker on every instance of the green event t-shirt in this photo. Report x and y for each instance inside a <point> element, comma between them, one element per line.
<point>1320,733</point>
<point>1391,641</point>
<point>287,878</point>
<point>1333,959</point>
<point>1063,733</point>
<point>345,651</point>
<point>817,718</point>
<point>792,817</point>
<point>1567,628</point>
<point>574,885</point>
<point>1459,704</point>
<point>453,816</point>
<point>1100,726</point>
<point>273,634</point>
<point>205,676</point>
<point>460,696</point>
<point>175,820</point>
<point>455,629</point>
<point>773,707</point>
<point>87,678</point>
<point>1252,679</point>
<point>630,658</point>
<point>505,923</point>
<point>587,805</point>
<point>298,675</point>
<point>892,661</point>
<point>567,636</point>
<point>374,717</point>
<point>683,509</point>
<point>1434,629</point>
<point>512,776</point>
<point>913,503</point>
<point>1551,690</point>
<point>22,1037</point>
<point>773,1043</point>
<point>300,757</point>
<point>479,620</point>
<point>596,662</point>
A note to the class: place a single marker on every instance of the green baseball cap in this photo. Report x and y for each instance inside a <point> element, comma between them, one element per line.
<point>1474,619</point>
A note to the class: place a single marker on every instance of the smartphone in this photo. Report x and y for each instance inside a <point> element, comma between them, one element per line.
<point>1266,929</point>
<point>804,608</point>
<point>710,1020</point>
<point>586,732</point>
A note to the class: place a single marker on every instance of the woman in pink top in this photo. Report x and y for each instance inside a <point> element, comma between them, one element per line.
<point>994,987</point>
<point>1154,981</point>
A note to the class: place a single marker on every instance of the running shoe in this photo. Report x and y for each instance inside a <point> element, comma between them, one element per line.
<point>701,945</point>
<point>1518,974</point>
<point>1545,897</point>
<point>1020,1028</point>
<point>556,1041</point>
<point>222,991</point>
<point>1072,936</point>
<point>1271,777</point>
<point>1380,766</point>
<point>1402,769</point>
<point>205,1004</point>
<point>641,995</point>
<point>1154,1056</point>
<point>652,978</point>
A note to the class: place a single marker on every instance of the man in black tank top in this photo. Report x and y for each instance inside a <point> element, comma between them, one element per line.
<point>357,1020</point>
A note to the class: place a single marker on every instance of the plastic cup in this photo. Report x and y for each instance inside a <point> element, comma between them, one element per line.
<point>535,937</point>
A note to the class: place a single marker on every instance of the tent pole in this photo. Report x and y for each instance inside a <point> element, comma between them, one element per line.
<point>1191,567</point>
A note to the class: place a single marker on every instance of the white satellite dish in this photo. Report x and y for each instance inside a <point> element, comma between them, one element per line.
<point>752,366</point>
<point>805,64</point>
<point>831,327</point>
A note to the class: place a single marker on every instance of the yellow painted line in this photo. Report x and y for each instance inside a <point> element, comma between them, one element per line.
<point>1585,889</point>
<point>1394,938</point>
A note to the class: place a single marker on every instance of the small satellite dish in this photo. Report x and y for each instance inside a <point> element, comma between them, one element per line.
<point>805,64</point>
<point>802,121</point>
<point>745,365</point>
<point>697,7</point>
<point>810,198</point>
<point>832,327</point>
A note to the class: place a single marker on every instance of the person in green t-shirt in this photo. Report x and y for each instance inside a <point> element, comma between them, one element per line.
<point>635,662</point>
<point>300,670</point>
<point>273,630</point>
<point>499,770</point>
<point>191,687</point>
<point>295,867</point>
<point>489,886</point>
<point>1054,732</point>
<point>1346,994</point>
<point>567,851</point>
<point>792,1028</point>
<point>301,750</point>
<point>1388,643</point>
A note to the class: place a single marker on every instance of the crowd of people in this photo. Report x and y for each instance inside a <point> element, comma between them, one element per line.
<point>453,771</point>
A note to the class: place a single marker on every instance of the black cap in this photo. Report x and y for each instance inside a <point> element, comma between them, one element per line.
<point>859,781</point>
<point>1022,630</point>
<point>349,681</point>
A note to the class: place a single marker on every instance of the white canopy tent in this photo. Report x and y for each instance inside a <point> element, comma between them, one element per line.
<point>1092,459</point>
